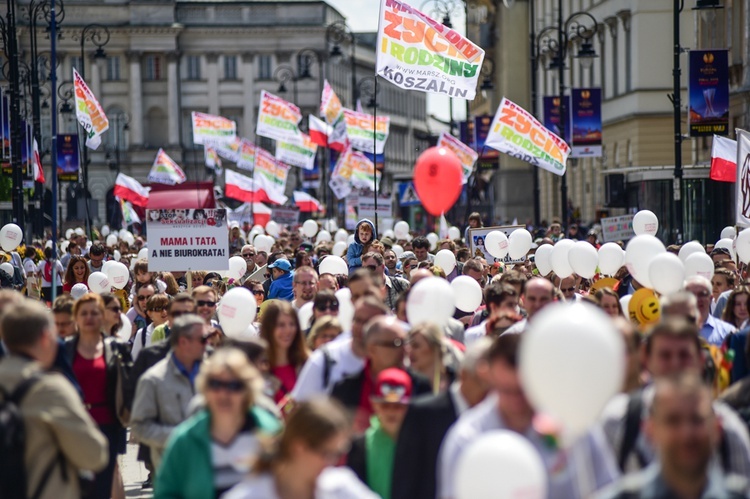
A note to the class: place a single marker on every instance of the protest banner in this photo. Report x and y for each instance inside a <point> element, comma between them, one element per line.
<point>517,133</point>
<point>708,92</point>
<point>210,129</point>
<point>586,111</point>
<point>211,158</point>
<point>465,154</point>
<point>416,52</point>
<point>185,240</point>
<point>165,170</point>
<point>477,248</point>
<point>617,228</point>
<point>89,112</point>
<point>366,206</point>
<point>299,153</point>
<point>340,187</point>
<point>246,158</point>
<point>277,118</point>
<point>742,187</point>
<point>270,175</point>
<point>363,171</point>
<point>229,150</point>
<point>359,129</point>
<point>285,215</point>
<point>333,111</point>
<point>68,161</point>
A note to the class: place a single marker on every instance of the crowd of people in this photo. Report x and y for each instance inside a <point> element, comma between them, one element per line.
<point>352,400</point>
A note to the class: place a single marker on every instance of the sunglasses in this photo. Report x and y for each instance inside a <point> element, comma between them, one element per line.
<point>143,297</point>
<point>230,386</point>
<point>157,309</point>
<point>178,313</point>
<point>395,343</point>
<point>333,307</point>
<point>205,303</point>
<point>567,290</point>
<point>371,268</point>
<point>259,292</point>
<point>114,309</point>
<point>248,255</point>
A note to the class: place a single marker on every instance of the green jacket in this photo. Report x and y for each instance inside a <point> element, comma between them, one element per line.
<point>159,334</point>
<point>186,471</point>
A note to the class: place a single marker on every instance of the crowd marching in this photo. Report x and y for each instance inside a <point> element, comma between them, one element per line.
<point>419,370</point>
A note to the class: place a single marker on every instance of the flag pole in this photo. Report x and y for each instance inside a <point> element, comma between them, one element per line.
<point>375,147</point>
<point>53,94</point>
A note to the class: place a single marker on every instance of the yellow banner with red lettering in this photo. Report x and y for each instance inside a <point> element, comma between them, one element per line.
<point>517,133</point>
<point>466,154</point>
<point>416,52</point>
<point>362,133</point>
<point>277,118</point>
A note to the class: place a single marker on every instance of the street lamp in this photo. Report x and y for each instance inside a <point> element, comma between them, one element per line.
<point>336,34</point>
<point>571,27</point>
<point>285,73</point>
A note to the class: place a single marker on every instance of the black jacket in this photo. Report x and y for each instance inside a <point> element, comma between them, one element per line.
<point>147,358</point>
<point>422,432</point>
<point>348,391</point>
<point>357,458</point>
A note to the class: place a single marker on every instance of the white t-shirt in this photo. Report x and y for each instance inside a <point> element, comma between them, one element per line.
<point>475,332</point>
<point>310,380</point>
<point>45,283</point>
<point>333,483</point>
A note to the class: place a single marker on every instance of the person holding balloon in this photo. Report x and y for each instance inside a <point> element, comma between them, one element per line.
<point>77,272</point>
<point>364,234</point>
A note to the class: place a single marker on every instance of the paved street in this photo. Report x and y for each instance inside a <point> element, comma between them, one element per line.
<point>134,473</point>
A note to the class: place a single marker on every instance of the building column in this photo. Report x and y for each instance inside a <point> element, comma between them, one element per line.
<point>136,99</point>
<point>248,94</point>
<point>95,81</point>
<point>213,83</point>
<point>173,109</point>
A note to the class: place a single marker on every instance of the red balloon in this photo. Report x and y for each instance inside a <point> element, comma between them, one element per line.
<point>438,179</point>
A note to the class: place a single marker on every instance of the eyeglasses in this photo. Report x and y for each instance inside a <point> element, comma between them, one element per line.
<point>201,339</point>
<point>114,309</point>
<point>144,297</point>
<point>216,385</point>
<point>248,255</point>
<point>157,309</point>
<point>333,307</point>
<point>567,290</point>
<point>177,313</point>
<point>205,303</point>
<point>371,268</point>
<point>394,343</point>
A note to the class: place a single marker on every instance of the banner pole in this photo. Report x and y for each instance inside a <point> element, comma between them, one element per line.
<point>375,147</point>
<point>53,170</point>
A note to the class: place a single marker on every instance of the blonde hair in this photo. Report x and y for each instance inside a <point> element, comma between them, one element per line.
<point>322,324</point>
<point>235,362</point>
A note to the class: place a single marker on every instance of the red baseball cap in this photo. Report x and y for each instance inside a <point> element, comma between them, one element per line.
<point>393,386</point>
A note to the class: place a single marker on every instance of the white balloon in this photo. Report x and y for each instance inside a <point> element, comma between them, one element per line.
<point>108,264</point>
<point>339,248</point>
<point>446,260</point>
<point>742,245</point>
<point>638,255</point>
<point>728,232</point>
<point>500,465</point>
<point>519,243</point>
<point>572,395</point>
<point>64,246</point>
<point>389,234</point>
<point>236,311</point>
<point>346,308</point>
<point>727,244</point>
<point>78,290</point>
<point>611,258</point>
<point>105,231</point>
<point>129,238</point>
<point>310,228</point>
<point>258,228</point>
<point>333,264</point>
<point>118,275</point>
<point>559,258</point>
<point>583,259</point>
<point>126,329</point>
<point>398,250</point>
<point>401,229</point>
<point>79,231</point>
<point>305,314</point>
<point>98,283</point>
<point>431,300</point>
<point>161,286</point>
<point>272,228</point>
<point>667,273</point>
<point>248,334</point>
<point>263,242</point>
<point>69,233</point>
<point>330,225</point>
<point>468,293</point>
<point>111,240</point>
<point>48,244</point>
<point>645,222</point>
<point>89,244</point>
<point>341,236</point>
<point>237,268</point>
<point>699,264</point>
<point>496,244</point>
<point>116,256</point>
<point>7,268</point>
<point>323,237</point>
<point>122,232</point>
<point>433,239</point>
<point>11,237</point>
<point>454,233</point>
<point>543,259</point>
<point>689,248</point>
<point>349,239</point>
<point>143,254</point>
<point>625,302</point>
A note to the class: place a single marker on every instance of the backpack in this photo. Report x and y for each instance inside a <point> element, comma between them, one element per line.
<point>13,476</point>
<point>328,363</point>
<point>47,271</point>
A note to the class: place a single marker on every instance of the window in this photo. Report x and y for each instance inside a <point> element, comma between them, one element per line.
<point>264,67</point>
<point>193,67</point>
<point>113,68</point>
<point>152,67</point>
<point>76,63</point>
<point>230,67</point>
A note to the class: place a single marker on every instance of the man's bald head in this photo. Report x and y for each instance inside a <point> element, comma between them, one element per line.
<point>381,326</point>
<point>420,274</point>
<point>537,293</point>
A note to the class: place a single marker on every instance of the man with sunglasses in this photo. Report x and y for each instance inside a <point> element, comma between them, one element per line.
<point>304,286</point>
<point>248,253</point>
<point>165,390</point>
<point>394,286</point>
<point>137,313</point>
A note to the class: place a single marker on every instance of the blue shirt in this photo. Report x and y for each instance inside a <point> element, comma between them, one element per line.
<point>191,374</point>
<point>281,288</point>
<point>714,330</point>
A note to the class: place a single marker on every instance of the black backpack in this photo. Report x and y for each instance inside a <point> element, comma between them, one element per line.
<point>13,477</point>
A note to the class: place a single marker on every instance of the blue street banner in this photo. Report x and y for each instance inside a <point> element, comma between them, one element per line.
<point>708,93</point>
<point>587,123</point>
<point>466,133</point>
<point>551,121</point>
<point>68,161</point>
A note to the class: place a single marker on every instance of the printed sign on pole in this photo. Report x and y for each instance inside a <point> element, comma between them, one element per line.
<point>617,228</point>
<point>359,129</point>
<point>587,122</point>
<point>476,243</point>
<point>183,240</point>
<point>210,129</point>
<point>297,153</point>
<point>277,118</point>
<point>285,215</point>
<point>708,92</point>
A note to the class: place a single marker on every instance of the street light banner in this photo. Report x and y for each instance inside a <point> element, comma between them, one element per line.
<point>551,109</point>
<point>465,154</point>
<point>416,52</point>
<point>587,122</point>
<point>742,189</point>
<point>517,133</point>
<point>360,127</point>
<point>246,159</point>
<point>165,170</point>
<point>89,112</point>
<point>208,128</point>
<point>68,161</point>
<point>270,175</point>
<point>299,153</point>
<point>277,118</point>
<point>708,93</point>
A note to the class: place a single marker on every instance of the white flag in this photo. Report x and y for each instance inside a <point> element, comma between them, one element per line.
<point>743,178</point>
